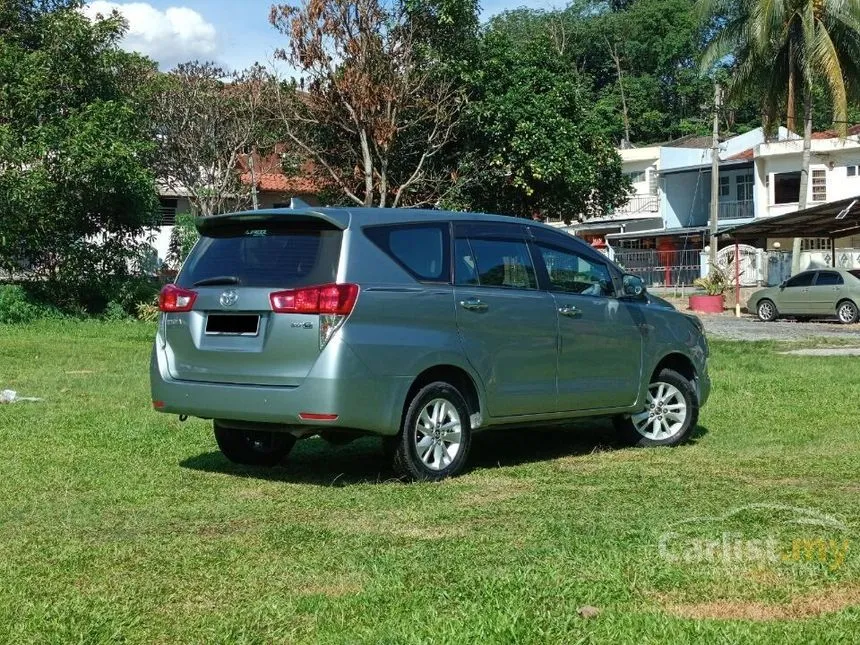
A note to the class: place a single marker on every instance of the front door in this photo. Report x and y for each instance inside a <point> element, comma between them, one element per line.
<point>508,327</point>
<point>600,338</point>
<point>794,297</point>
<point>826,291</point>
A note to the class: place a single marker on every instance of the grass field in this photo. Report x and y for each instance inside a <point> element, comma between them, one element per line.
<point>117,523</point>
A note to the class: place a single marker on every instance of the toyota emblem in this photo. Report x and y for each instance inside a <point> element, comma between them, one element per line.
<point>229,298</point>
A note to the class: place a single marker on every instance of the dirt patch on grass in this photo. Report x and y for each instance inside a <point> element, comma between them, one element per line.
<point>810,605</point>
<point>494,491</point>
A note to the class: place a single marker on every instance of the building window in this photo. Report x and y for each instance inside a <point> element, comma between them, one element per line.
<point>745,187</point>
<point>636,177</point>
<point>852,171</point>
<point>167,211</point>
<point>819,185</point>
<point>724,186</point>
<point>786,187</point>
<point>815,244</point>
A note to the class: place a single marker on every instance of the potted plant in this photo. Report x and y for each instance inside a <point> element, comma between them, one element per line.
<point>714,285</point>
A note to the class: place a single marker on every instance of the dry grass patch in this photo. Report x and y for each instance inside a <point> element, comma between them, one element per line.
<point>809,605</point>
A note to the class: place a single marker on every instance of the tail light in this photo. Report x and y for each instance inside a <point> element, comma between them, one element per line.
<point>173,299</point>
<point>332,302</point>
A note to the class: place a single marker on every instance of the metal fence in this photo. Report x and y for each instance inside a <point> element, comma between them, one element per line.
<point>661,268</point>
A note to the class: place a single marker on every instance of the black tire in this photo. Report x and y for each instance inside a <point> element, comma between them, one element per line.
<point>846,312</point>
<point>253,447</point>
<point>407,462</point>
<point>766,310</point>
<point>627,428</point>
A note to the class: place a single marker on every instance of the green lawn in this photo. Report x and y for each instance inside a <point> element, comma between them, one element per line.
<point>117,523</point>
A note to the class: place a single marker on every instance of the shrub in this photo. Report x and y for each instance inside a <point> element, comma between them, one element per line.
<point>18,306</point>
<point>15,306</point>
<point>715,284</point>
<point>147,311</point>
<point>115,311</point>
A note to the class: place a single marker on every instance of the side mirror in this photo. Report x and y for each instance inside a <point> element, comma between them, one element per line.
<point>782,284</point>
<point>634,286</point>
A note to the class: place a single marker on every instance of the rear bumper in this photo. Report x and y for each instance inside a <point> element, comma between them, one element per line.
<point>361,400</point>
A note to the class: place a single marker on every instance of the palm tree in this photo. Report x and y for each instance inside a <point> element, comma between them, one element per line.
<point>780,46</point>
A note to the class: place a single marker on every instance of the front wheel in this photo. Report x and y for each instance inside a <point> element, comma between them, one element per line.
<point>434,440</point>
<point>766,311</point>
<point>671,412</point>
<point>847,313</point>
<point>253,447</point>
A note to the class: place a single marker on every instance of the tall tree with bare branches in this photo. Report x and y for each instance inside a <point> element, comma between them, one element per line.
<point>370,108</point>
<point>205,120</point>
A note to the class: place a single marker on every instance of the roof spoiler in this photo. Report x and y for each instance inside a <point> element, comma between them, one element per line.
<point>298,213</point>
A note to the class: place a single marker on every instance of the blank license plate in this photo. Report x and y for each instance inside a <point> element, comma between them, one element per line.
<point>233,324</point>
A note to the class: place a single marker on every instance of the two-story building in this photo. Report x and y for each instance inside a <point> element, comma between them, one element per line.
<point>665,225</point>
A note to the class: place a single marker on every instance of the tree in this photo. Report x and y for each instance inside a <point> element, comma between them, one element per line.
<point>205,120</point>
<point>75,147</point>
<point>531,148</point>
<point>778,45</point>
<point>371,109</point>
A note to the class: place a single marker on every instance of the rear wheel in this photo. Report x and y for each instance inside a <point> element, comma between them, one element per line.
<point>766,311</point>
<point>435,437</point>
<point>253,447</point>
<point>847,313</point>
<point>671,412</point>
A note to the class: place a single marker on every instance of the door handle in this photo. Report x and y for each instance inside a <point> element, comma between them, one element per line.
<point>570,311</point>
<point>474,304</point>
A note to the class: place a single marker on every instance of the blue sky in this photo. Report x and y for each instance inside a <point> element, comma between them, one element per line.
<point>233,33</point>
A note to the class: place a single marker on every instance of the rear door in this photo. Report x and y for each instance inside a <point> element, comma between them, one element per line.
<point>826,292</point>
<point>508,327</point>
<point>794,297</point>
<point>600,341</point>
<point>231,334</point>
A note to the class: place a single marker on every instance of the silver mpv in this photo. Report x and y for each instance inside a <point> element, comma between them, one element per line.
<point>421,327</point>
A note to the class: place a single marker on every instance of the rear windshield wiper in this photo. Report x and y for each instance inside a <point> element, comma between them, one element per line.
<point>216,280</point>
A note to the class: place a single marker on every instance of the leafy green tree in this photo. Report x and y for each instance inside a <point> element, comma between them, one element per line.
<point>531,150</point>
<point>780,49</point>
<point>75,146</point>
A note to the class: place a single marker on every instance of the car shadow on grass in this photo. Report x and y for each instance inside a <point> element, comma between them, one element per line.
<point>319,463</point>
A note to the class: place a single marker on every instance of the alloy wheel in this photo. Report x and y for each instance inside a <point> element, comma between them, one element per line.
<point>437,434</point>
<point>665,413</point>
<point>847,312</point>
<point>765,311</point>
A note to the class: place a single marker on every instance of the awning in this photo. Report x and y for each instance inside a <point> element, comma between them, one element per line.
<point>690,231</point>
<point>833,219</point>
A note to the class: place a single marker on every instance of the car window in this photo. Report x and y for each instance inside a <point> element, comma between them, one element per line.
<point>421,249</point>
<point>494,263</point>
<point>855,273</point>
<point>573,273</point>
<point>827,279</point>
<point>801,280</point>
<point>260,255</point>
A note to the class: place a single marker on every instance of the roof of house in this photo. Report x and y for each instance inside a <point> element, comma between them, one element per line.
<point>832,134</point>
<point>749,153</point>
<point>268,174</point>
<point>832,219</point>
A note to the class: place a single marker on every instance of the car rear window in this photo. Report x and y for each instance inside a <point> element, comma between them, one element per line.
<point>265,256</point>
<point>855,273</point>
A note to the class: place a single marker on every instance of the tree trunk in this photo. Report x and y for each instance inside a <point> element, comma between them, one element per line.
<point>613,51</point>
<point>804,170</point>
<point>368,169</point>
<point>791,108</point>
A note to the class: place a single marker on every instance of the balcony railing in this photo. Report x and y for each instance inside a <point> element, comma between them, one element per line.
<point>638,205</point>
<point>736,209</point>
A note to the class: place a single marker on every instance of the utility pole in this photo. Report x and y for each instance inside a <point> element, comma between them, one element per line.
<point>715,174</point>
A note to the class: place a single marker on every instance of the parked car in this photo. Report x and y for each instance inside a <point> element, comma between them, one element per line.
<point>421,327</point>
<point>814,293</point>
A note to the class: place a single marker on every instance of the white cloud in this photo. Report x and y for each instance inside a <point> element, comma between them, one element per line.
<point>172,36</point>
